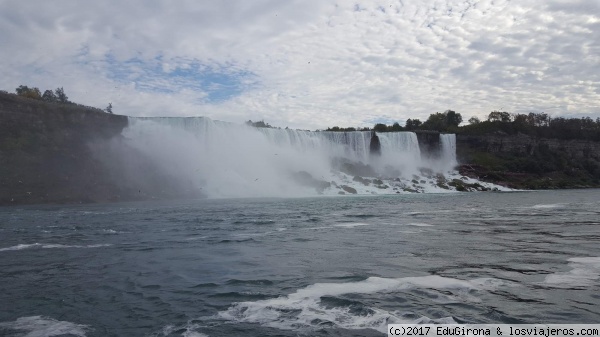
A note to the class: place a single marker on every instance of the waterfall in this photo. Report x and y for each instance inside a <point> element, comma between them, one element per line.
<point>448,151</point>
<point>233,160</point>
<point>400,149</point>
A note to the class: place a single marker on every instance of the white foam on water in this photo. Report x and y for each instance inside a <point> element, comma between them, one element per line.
<point>352,224</point>
<point>304,310</point>
<point>543,206</point>
<point>166,330</point>
<point>419,224</point>
<point>249,235</point>
<point>585,272</point>
<point>109,231</point>
<point>196,238</point>
<point>190,330</point>
<point>50,246</point>
<point>39,326</point>
<point>192,333</point>
<point>410,232</point>
<point>20,246</point>
<point>319,227</point>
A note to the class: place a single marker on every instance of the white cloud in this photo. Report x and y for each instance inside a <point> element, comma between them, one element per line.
<point>312,63</point>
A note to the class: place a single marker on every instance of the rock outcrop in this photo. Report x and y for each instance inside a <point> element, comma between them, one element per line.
<point>68,153</point>
<point>429,143</point>
<point>375,145</point>
<point>526,162</point>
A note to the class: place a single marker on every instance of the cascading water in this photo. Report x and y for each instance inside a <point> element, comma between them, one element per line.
<point>230,160</point>
<point>400,150</point>
<point>448,150</point>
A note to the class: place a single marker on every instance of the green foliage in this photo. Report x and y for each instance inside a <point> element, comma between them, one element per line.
<point>380,128</point>
<point>436,121</point>
<point>499,116</point>
<point>536,125</point>
<point>61,96</point>
<point>412,124</point>
<point>57,96</point>
<point>453,119</point>
<point>474,120</point>
<point>259,124</point>
<point>25,91</point>
<point>49,96</point>
<point>22,89</point>
<point>109,108</point>
<point>338,129</point>
<point>442,121</point>
<point>488,160</point>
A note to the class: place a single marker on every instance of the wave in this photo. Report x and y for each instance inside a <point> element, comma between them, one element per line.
<point>316,306</point>
<point>190,330</point>
<point>44,326</point>
<point>351,224</point>
<point>50,246</point>
<point>543,206</point>
<point>585,271</point>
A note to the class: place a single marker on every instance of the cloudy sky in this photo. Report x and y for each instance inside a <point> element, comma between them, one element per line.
<point>308,63</point>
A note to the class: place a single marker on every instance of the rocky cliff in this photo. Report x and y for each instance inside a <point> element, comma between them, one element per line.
<point>526,162</point>
<point>68,153</point>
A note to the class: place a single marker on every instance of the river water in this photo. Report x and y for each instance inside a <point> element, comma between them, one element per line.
<point>327,266</point>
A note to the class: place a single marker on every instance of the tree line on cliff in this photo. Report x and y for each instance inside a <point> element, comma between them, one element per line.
<point>539,125</point>
<point>440,121</point>
<point>52,96</point>
<point>533,124</point>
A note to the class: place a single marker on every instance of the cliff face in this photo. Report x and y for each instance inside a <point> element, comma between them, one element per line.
<point>522,161</point>
<point>67,153</point>
<point>429,143</point>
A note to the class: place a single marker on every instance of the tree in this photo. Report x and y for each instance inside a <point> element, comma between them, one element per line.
<point>396,127</point>
<point>380,127</point>
<point>412,124</point>
<point>259,124</point>
<point>520,120</point>
<point>542,119</point>
<point>452,118</point>
<point>436,121</point>
<point>443,121</point>
<point>499,116</point>
<point>60,94</point>
<point>474,120</point>
<point>49,96</point>
<point>22,89</point>
<point>109,108</point>
<point>25,91</point>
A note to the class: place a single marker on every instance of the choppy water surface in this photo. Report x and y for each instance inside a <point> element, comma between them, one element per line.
<point>337,266</point>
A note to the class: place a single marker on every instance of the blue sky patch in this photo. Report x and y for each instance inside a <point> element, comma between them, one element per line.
<point>382,120</point>
<point>217,83</point>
